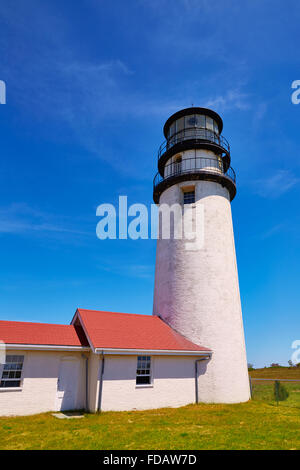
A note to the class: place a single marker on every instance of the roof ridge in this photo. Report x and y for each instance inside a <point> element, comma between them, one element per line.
<point>35,323</point>
<point>117,313</point>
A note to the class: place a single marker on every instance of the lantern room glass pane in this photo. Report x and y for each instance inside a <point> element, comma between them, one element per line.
<point>189,126</point>
<point>180,127</point>
<point>173,129</point>
<point>201,121</point>
<point>191,120</point>
<point>216,129</point>
<point>209,123</point>
<point>171,134</point>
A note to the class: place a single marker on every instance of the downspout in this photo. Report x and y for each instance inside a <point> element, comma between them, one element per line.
<point>196,376</point>
<point>101,384</point>
<point>86,381</point>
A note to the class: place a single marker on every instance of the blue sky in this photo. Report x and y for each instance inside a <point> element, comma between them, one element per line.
<point>89,87</point>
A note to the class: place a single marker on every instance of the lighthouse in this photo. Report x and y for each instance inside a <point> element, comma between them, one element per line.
<point>196,291</point>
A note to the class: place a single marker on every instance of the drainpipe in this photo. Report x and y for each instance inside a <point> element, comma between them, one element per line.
<point>86,381</point>
<point>101,383</point>
<point>205,358</point>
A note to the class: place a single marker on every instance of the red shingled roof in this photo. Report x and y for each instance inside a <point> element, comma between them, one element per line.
<point>132,331</point>
<point>14,332</point>
<point>104,330</point>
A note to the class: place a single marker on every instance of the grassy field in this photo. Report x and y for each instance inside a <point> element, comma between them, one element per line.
<point>258,424</point>
<point>276,373</point>
<point>264,391</point>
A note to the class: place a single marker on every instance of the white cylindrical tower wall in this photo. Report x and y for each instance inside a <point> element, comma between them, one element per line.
<point>197,293</point>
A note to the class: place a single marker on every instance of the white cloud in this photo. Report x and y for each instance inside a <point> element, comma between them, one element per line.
<point>276,185</point>
<point>81,96</point>
<point>21,219</point>
<point>140,271</point>
<point>232,99</point>
<point>273,230</point>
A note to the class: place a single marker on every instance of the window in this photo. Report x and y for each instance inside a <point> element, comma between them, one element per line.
<point>216,128</point>
<point>177,164</point>
<point>209,123</point>
<point>180,124</point>
<point>143,371</point>
<point>192,121</point>
<point>12,371</point>
<point>202,121</point>
<point>189,197</point>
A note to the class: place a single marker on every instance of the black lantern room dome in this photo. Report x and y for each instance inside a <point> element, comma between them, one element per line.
<point>194,129</point>
<point>193,116</point>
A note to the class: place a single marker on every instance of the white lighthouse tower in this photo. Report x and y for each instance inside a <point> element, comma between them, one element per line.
<point>197,292</point>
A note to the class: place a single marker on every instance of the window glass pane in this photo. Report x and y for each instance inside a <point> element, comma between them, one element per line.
<point>191,120</point>
<point>209,123</point>
<point>143,372</point>
<point>142,380</point>
<point>180,129</point>
<point>201,121</point>
<point>189,197</point>
<point>180,124</point>
<point>10,383</point>
<point>11,371</point>
<point>172,129</point>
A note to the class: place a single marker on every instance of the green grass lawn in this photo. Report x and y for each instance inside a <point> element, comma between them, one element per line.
<point>258,424</point>
<point>252,425</point>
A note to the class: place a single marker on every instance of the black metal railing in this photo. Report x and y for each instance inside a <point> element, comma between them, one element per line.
<point>193,133</point>
<point>195,165</point>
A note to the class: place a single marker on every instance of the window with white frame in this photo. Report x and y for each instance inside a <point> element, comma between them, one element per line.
<point>143,371</point>
<point>12,372</point>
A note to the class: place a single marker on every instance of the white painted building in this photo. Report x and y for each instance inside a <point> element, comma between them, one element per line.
<point>102,361</point>
<point>192,349</point>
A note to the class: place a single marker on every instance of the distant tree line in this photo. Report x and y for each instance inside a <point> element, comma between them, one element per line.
<point>275,364</point>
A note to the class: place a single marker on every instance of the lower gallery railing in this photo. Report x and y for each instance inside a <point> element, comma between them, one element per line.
<point>194,165</point>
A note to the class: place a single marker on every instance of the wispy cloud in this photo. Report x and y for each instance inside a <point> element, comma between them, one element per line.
<point>276,185</point>
<point>105,67</point>
<point>82,96</point>
<point>21,219</point>
<point>232,99</point>
<point>273,230</point>
<point>140,271</point>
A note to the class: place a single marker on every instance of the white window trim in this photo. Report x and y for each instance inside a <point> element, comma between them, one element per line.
<point>144,385</point>
<point>13,389</point>
<point>151,384</point>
